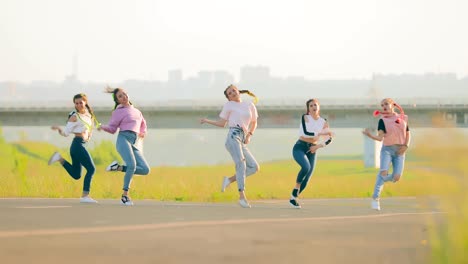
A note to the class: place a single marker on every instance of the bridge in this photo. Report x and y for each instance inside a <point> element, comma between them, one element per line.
<point>278,113</point>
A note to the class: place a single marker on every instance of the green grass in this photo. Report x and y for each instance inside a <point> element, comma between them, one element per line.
<point>26,174</point>
<point>448,156</point>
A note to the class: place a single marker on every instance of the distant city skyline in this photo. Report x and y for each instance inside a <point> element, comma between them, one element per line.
<point>117,40</point>
<point>209,85</point>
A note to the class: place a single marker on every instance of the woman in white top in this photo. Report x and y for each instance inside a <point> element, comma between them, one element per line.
<point>311,131</point>
<point>80,123</point>
<point>241,117</point>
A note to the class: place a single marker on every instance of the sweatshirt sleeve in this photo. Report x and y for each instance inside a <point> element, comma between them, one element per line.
<point>143,126</point>
<point>114,123</point>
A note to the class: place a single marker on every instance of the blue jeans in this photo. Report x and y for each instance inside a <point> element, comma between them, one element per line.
<point>306,160</point>
<point>246,164</point>
<point>80,157</point>
<point>388,154</point>
<point>135,162</point>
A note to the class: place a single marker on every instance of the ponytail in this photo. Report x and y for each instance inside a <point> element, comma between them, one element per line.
<point>255,98</point>
<point>402,112</point>
<point>401,115</point>
<point>114,92</point>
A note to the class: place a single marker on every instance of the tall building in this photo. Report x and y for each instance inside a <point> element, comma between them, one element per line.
<point>255,74</point>
<point>174,76</point>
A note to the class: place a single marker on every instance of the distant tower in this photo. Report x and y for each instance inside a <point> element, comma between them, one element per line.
<point>71,81</point>
<point>75,66</point>
<point>175,76</point>
<point>374,90</point>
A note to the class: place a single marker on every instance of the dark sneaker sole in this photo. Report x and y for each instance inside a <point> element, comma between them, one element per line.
<point>294,204</point>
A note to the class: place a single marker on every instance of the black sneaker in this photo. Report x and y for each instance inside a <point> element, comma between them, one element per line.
<point>294,203</point>
<point>126,201</point>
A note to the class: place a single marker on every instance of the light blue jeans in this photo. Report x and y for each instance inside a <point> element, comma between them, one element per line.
<point>246,164</point>
<point>388,154</point>
<point>135,162</point>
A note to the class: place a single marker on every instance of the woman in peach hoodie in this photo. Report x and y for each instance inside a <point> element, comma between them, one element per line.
<point>393,130</point>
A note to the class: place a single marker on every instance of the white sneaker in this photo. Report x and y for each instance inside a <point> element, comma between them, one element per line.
<point>244,203</point>
<point>226,183</point>
<point>87,199</point>
<point>54,158</point>
<point>375,204</point>
<point>113,166</point>
<point>126,201</point>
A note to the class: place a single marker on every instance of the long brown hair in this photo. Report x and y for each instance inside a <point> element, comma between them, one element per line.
<point>114,92</point>
<point>255,98</point>
<point>311,100</point>
<point>84,98</point>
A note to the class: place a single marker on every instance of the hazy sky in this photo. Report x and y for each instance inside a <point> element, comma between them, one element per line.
<point>115,40</point>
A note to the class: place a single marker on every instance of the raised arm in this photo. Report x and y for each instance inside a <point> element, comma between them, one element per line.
<point>114,123</point>
<point>378,137</point>
<point>220,122</point>
<point>72,122</point>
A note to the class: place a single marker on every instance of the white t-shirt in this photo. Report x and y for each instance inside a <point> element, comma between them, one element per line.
<point>312,126</point>
<point>239,114</point>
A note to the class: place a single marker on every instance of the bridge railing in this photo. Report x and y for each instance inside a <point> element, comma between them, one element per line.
<point>277,103</point>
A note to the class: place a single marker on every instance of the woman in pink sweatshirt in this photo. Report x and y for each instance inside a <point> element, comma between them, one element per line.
<point>132,128</point>
<point>393,130</point>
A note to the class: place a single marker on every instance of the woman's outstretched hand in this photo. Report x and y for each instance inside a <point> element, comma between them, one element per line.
<point>366,132</point>
<point>56,128</point>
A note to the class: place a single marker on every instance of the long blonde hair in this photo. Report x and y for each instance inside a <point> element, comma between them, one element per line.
<point>255,98</point>
<point>392,102</point>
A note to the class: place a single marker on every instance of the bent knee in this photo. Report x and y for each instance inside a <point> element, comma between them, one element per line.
<point>92,171</point>
<point>256,167</point>
<point>76,176</point>
<point>146,171</point>
<point>383,173</point>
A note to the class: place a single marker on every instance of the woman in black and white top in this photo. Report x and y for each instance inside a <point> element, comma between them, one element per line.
<point>80,123</point>
<point>314,133</point>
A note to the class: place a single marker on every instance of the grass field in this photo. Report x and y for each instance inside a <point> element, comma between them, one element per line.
<point>436,169</point>
<point>26,174</point>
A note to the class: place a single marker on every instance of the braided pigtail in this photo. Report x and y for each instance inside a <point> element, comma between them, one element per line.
<point>402,113</point>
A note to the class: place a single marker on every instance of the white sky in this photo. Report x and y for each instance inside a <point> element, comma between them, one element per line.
<point>116,40</point>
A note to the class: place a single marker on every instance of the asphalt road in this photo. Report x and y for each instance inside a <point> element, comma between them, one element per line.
<point>323,231</point>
